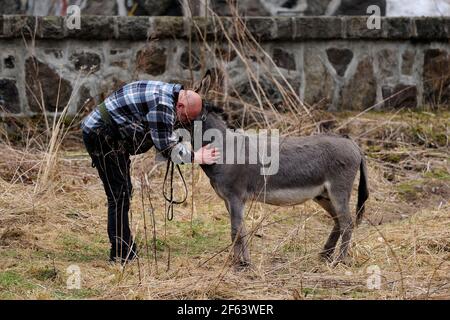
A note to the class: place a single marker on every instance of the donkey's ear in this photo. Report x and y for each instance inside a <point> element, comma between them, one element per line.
<point>205,84</point>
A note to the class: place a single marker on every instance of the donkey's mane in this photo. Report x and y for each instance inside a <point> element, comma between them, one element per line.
<point>217,111</point>
<point>212,108</point>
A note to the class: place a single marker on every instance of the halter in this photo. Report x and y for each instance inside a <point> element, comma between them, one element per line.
<point>205,111</point>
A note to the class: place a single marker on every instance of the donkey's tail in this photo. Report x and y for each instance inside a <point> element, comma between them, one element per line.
<point>363,190</point>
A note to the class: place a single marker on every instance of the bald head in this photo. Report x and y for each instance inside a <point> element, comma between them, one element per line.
<point>189,106</point>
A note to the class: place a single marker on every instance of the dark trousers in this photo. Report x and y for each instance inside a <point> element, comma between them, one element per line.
<point>113,165</point>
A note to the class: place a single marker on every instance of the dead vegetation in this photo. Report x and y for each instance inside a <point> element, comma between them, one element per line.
<point>53,210</point>
<point>406,233</point>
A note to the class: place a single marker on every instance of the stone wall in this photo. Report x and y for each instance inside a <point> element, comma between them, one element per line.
<point>334,61</point>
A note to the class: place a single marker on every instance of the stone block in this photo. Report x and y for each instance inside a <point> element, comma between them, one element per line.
<point>356,28</point>
<point>340,59</point>
<point>166,27</point>
<point>9,96</point>
<point>284,28</point>
<point>16,26</point>
<point>51,27</point>
<point>430,28</point>
<point>262,28</point>
<point>436,77</point>
<point>133,28</point>
<point>284,59</point>
<point>190,59</point>
<point>360,92</point>
<point>408,58</point>
<point>400,96</point>
<point>319,84</point>
<point>307,28</point>
<point>397,28</point>
<point>87,62</point>
<point>2,32</point>
<point>387,62</point>
<point>151,60</point>
<point>45,85</point>
<point>93,27</point>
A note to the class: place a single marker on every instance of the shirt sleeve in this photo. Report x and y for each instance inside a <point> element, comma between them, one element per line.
<point>162,120</point>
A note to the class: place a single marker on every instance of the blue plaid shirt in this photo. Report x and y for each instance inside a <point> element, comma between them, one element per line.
<point>145,109</point>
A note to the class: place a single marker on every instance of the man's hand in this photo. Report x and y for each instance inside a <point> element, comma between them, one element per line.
<point>206,155</point>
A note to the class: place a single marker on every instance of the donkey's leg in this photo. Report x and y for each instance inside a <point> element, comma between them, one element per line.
<point>346,223</point>
<point>340,199</point>
<point>236,209</point>
<point>333,238</point>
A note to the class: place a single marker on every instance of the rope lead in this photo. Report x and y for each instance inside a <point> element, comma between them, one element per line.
<point>170,167</point>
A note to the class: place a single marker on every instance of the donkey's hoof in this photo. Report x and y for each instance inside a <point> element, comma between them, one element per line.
<point>242,265</point>
<point>344,261</point>
<point>326,257</point>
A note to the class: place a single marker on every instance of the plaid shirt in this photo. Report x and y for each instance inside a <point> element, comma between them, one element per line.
<point>144,109</point>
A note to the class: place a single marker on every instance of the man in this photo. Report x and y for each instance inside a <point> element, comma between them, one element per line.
<point>130,121</point>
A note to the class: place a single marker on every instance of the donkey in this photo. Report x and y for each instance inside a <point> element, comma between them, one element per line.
<point>321,168</point>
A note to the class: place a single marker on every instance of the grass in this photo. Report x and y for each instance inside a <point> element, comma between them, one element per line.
<point>43,234</point>
<point>10,279</point>
<point>439,174</point>
<point>430,183</point>
<point>199,236</point>
<point>75,294</point>
<point>410,189</point>
<point>43,274</point>
<point>13,285</point>
<point>76,249</point>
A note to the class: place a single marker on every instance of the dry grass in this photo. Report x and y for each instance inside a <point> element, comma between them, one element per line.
<point>42,232</point>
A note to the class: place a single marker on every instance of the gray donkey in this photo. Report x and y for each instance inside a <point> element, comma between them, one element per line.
<point>320,167</point>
